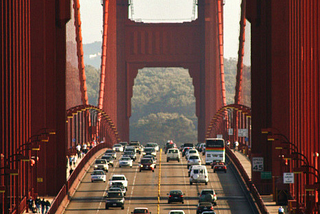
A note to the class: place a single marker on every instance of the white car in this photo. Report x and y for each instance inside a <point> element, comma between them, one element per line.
<point>101,164</point>
<point>176,212</point>
<point>199,174</point>
<point>98,175</point>
<point>173,154</point>
<point>125,161</point>
<point>117,148</point>
<point>119,178</point>
<point>194,160</point>
<point>191,152</point>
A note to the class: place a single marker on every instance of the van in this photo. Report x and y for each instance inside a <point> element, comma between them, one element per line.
<point>199,174</point>
<point>173,154</point>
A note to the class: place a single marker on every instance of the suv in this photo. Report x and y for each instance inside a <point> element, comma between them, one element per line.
<point>208,195</point>
<point>199,174</point>
<point>115,199</point>
<point>141,210</point>
<point>173,154</point>
<point>101,164</point>
<point>204,206</point>
<point>147,164</point>
<point>119,178</point>
<point>137,145</point>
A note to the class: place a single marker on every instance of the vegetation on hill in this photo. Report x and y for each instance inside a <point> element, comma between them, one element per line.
<point>163,102</point>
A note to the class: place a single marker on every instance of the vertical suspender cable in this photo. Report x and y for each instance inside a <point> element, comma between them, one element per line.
<point>220,40</point>
<point>82,74</point>
<point>238,88</point>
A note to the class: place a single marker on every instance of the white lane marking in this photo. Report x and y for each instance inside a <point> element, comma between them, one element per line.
<point>134,181</point>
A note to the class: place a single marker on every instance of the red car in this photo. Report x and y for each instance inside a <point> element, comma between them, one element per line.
<point>147,164</point>
<point>219,166</point>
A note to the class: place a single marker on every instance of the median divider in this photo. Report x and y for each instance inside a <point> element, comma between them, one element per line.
<point>159,182</point>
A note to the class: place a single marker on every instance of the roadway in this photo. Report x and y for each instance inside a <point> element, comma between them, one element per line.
<point>144,186</point>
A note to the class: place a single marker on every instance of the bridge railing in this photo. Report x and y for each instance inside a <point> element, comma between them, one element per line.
<point>63,197</point>
<point>250,186</point>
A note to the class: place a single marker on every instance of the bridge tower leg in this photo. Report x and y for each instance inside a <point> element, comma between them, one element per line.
<point>132,46</point>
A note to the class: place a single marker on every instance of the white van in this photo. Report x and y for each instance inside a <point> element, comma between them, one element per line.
<point>199,174</point>
<point>173,154</point>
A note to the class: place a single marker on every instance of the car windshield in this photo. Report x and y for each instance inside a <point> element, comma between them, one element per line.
<point>146,161</point>
<point>176,212</point>
<point>188,145</point>
<point>149,149</point>
<point>117,145</point>
<point>175,192</point>
<point>128,153</point>
<point>100,161</point>
<point>192,151</point>
<point>194,157</point>
<point>107,157</point>
<point>204,192</point>
<point>118,178</point>
<point>109,152</point>
<point>98,172</point>
<point>115,189</point>
<point>125,158</point>
<point>173,151</point>
<point>114,195</point>
<point>140,211</point>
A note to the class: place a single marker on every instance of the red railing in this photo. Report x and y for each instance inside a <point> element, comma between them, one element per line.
<point>62,199</point>
<point>247,181</point>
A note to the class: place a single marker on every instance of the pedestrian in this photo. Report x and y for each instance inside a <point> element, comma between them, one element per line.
<point>236,144</point>
<point>84,148</point>
<point>78,148</point>
<point>47,205</point>
<point>70,161</point>
<point>30,204</point>
<point>38,202</point>
<point>43,204</point>
<point>71,170</point>
<point>281,210</point>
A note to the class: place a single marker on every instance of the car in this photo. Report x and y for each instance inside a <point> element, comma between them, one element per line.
<point>117,147</point>
<point>115,199</point>
<point>191,152</point>
<point>101,164</point>
<point>125,161</point>
<point>147,164</point>
<point>124,144</point>
<point>173,154</point>
<point>130,154</point>
<point>201,147</point>
<point>141,210</point>
<point>184,150</point>
<point>153,158</point>
<point>176,212</point>
<point>208,195</point>
<point>119,178</point>
<point>137,145</point>
<point>208,212</point>
<point>154,145</point>
<point>175,196</point>
<point>98,175</point>
<point>169,144</point>
<point>108,158</point>
<point>111,152</point>
<point>118,186</point>
<point>149,151</point>
<point>131,149</point>
<point>193,160</point>
<point>199,174</point>
<point>204,206</point>
<point>219,166</point>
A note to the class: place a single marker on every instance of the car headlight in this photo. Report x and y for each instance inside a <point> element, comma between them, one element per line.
<point>95,166</point>
<point>141,165</point>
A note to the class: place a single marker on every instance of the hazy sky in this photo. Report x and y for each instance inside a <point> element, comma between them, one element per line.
<point>168,10</point>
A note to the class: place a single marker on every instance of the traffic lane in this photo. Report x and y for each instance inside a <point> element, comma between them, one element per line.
<point>90,197</point>
<point>174,177</point>
<point>144,190</point>
<point>231,198</point>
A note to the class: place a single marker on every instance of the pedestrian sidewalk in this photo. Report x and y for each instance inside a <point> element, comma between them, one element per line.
<point>268,199</point>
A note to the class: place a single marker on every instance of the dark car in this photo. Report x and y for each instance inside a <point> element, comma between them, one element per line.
<point>175,196</point>
<point>147,164</point>
<point>115,199</point>
<point>130,154</point>
<point>184,150</point>
<point>208,195</point>
<point>204,206</point>
<point>137,145</point>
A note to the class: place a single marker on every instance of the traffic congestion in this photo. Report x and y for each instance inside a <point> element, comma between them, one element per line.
<point>136,178</point>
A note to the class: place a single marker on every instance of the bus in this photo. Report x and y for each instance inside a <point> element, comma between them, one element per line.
<point>215,150</point>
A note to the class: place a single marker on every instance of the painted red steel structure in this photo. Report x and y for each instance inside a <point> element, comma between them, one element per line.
<point>285,48</point>
<point>129,46</point>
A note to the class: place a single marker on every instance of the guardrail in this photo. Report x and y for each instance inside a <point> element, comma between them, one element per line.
<point>250,186</point>
<point>63,197</point>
